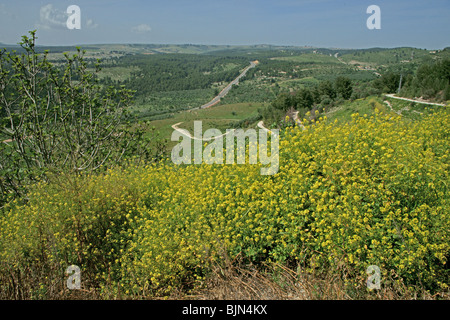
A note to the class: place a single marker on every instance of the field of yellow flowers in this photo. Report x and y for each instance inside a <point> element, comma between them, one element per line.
<point>373,191</point>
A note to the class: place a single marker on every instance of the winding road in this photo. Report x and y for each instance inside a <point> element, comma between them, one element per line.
<point>187,134</point>
<point>296,120</point>
<point>391,95</point>
<point>216,99</point>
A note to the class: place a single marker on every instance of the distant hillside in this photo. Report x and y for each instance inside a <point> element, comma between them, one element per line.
<point>378,55</point>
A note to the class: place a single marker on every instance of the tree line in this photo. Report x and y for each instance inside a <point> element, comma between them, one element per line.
<point>431,81</point>
<point>58,120</point>
<point>320,96</point>
<point>170,72</point>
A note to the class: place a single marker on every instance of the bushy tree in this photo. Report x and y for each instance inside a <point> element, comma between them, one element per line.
<point>283,101</point>
<point>304,99</point>
<point>59,119</point>
<point>326,88</point>
<point>431,81</point>
<point>343,87</point>
<point>387,83</point>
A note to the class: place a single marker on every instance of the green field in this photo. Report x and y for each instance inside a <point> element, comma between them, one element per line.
<point>412,110</point>
<point>367,106</point>
<point>220,117</point>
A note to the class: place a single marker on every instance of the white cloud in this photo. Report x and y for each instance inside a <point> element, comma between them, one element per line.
<point>91,24</point>
<point>142,28</point>
<point>51,18</point>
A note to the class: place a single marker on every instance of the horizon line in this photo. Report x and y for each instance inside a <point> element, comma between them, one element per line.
<point>223,45</point>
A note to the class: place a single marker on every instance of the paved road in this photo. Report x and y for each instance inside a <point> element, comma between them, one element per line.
<point>224,92</point>
<point>216,99</point>
<point>213,102</point>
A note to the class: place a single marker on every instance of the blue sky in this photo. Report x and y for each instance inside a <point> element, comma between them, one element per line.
<point>320,23</point>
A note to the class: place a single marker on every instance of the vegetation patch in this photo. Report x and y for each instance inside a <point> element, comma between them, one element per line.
<point>373,191</point>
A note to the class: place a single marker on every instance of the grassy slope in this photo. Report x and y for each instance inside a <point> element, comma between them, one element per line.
<point>408,110</point>
<point>220,117</point>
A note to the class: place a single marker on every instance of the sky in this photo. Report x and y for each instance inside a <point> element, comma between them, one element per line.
<point>317,23</point>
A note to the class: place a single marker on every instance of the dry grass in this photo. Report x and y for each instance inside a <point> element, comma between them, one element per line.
<point>236,281</point>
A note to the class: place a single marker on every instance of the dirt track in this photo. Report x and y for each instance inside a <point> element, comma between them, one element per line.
<point>391,95</point>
